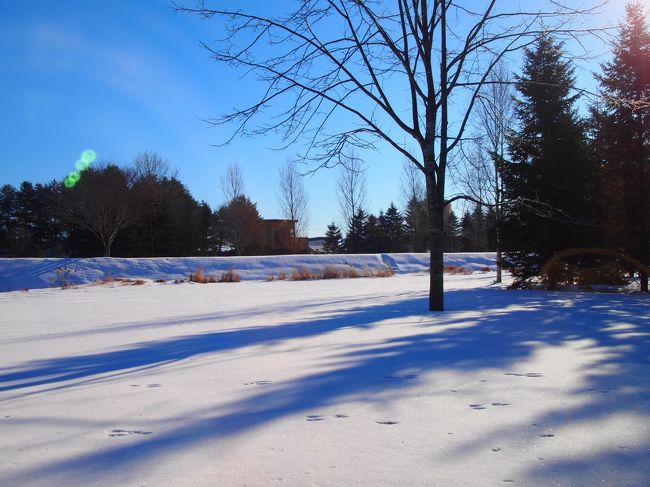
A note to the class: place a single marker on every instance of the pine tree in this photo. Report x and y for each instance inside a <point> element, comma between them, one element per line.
<point>375,239</point>
<point>623,138</point>
<point>355,240</point>
<point>416,217</point>
<point>552,170</point>
<point>333,240</point>
<point>452,233</point>
<point>466,232</point>
<point>394,230</point>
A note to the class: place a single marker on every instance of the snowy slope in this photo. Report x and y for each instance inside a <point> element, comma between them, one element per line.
<point>41,273</point>
<point>346,382</point>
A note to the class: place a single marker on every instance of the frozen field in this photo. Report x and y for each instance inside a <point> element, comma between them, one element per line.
<point>334,382</point>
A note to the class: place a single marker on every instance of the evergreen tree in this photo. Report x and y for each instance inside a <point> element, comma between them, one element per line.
<point>452,233</point>
<point>355,240</point>
<point>333,240</point>
<point>374,235</point>
<point>242,226</point>
<point>416,217</point>
<point>552,170</point>
<point>623,138</point>
<point>466,232</point>
<point>393,228</point>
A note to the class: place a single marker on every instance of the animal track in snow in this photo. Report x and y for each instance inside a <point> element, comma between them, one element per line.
<point>258,383</point>
<point>387,422</point>
<point>120,432</point>
<point>528,374</point>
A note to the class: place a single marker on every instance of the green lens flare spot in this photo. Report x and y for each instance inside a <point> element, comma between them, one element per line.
<point>88,156</point>
<point>69,183</point>
<point>80,165</point>
<point>74,176</point>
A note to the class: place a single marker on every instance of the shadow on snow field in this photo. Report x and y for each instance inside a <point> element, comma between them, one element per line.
<point>500,338</point>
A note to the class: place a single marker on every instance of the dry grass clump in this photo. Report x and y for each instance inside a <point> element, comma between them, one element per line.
<point>139,282</point>
<point>199,276</point>
<point>107,279</point>
<point>63,277</point>
<point>230,276</point>
<point>330,272</point>
<point>302,273</point>
<point>485,269</point>
<point>161,280</point>
<point>280,277</point>
<point>339,272</point>
<point>456,269</point>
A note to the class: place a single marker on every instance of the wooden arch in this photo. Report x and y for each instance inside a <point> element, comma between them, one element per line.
<point>550,264</point>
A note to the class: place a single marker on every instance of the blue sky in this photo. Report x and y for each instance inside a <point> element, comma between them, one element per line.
<point>124,76</point>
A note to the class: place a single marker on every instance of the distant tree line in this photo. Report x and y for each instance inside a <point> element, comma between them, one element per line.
<point>139,211</point>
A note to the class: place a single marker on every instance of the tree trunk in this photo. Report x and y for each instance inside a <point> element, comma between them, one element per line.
<point>498,241</point>
<point>436,240</point>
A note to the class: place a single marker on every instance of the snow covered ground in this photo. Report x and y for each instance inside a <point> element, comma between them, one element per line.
<point>345,382</point>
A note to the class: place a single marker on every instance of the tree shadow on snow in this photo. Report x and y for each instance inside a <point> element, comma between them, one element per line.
<point>504,331</point>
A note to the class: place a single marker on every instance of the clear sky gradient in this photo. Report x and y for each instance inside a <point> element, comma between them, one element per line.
<point>124,76</point>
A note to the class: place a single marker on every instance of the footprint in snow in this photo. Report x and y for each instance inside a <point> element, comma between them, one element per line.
<point>387,422</point>
<point>314,417</point>
<point>546,435</point>
<point>496,449</point>
<point>258,383</point>
<point>477,406</point>
<point>528,374</point>
<point>154,385</point>
<point>120,432</point>
<point>340,416</point>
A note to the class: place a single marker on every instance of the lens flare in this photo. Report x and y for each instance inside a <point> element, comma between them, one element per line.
<point>88,156</point>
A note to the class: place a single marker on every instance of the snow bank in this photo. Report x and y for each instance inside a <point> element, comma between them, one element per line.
<point>41,273</point>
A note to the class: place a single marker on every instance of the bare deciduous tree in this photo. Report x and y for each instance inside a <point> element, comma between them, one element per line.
<point>101,203</point>
<point>232,183</point>
<point>412,183</point>
<point>351,187</point>
<point>151,165</point>
<point>293,200</point>
<point>393,68</point>
<point>481,175</point>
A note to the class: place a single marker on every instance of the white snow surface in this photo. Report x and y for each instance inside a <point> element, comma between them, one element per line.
<point>346,382</point>
<point>18,274</point>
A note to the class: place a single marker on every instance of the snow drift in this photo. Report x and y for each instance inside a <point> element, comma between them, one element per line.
<point>41,273</point>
